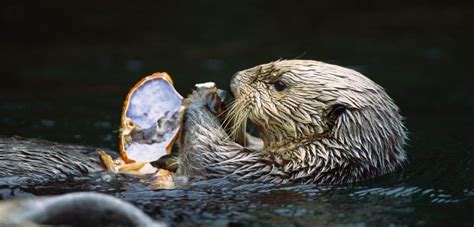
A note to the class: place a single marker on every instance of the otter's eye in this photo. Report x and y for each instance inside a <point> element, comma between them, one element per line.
<point>279,85</point>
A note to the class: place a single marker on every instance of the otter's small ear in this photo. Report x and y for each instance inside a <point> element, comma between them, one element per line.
<point>335,111</point>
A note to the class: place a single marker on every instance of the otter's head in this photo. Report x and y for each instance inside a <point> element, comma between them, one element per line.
<point>299,102</point>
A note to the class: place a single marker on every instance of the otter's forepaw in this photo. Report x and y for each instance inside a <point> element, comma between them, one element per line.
<point>119,166</point>
<point>206,95</point>
<point>163,179</point>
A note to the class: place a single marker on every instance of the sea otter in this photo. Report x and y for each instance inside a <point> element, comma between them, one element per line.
<point>319,123</point>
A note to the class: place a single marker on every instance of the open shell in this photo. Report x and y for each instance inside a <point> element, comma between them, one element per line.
<point>150,119</point>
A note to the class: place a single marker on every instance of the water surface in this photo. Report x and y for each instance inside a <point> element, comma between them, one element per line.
<point>66,70</point>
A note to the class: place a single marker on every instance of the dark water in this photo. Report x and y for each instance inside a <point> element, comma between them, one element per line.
<point>66,68</point>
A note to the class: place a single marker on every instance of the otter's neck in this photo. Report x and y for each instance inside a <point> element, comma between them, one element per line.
<point>289,137</point>
<point>321,161</point>
<point>345,153</point>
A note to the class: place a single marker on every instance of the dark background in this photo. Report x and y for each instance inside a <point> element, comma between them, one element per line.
<point>66,67</point>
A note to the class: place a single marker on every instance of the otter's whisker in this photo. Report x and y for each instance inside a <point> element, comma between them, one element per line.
<point>231,114</point>
<point>239,126</point>
<point>223,113</point>
<point>235,121</point>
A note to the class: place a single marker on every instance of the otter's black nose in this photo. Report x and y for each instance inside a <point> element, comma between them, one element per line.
<point>234,84</point>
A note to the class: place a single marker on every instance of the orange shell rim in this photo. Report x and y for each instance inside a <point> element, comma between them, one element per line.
<point>158,75</point>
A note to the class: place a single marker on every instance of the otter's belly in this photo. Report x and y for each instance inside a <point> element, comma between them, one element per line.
<point>32,161</point>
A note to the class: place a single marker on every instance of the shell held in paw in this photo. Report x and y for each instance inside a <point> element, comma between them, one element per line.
<point>150,120</point>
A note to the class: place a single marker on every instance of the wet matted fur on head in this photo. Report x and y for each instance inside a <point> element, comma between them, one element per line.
<point>320,123</point>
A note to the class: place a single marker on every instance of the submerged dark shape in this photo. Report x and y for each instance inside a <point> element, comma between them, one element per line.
<point>74,209</point>
<point>319,123</point>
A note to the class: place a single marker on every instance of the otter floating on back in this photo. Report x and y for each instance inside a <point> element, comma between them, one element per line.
<point>319,123</point>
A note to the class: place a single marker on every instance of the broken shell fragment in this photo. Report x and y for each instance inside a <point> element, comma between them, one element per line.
<point>150,119</point>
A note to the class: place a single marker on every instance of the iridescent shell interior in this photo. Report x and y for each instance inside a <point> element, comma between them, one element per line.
<point>150,119</point>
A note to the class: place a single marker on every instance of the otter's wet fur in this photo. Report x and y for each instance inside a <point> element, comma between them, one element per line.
<point>321,124</point>
<point>36,162</point>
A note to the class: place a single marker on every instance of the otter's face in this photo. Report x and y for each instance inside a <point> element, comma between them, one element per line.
<point>298,101</point>
<point>285,100</point>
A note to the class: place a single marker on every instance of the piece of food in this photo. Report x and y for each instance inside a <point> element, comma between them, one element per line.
<point>150,119</point>
<point>119,166</point>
